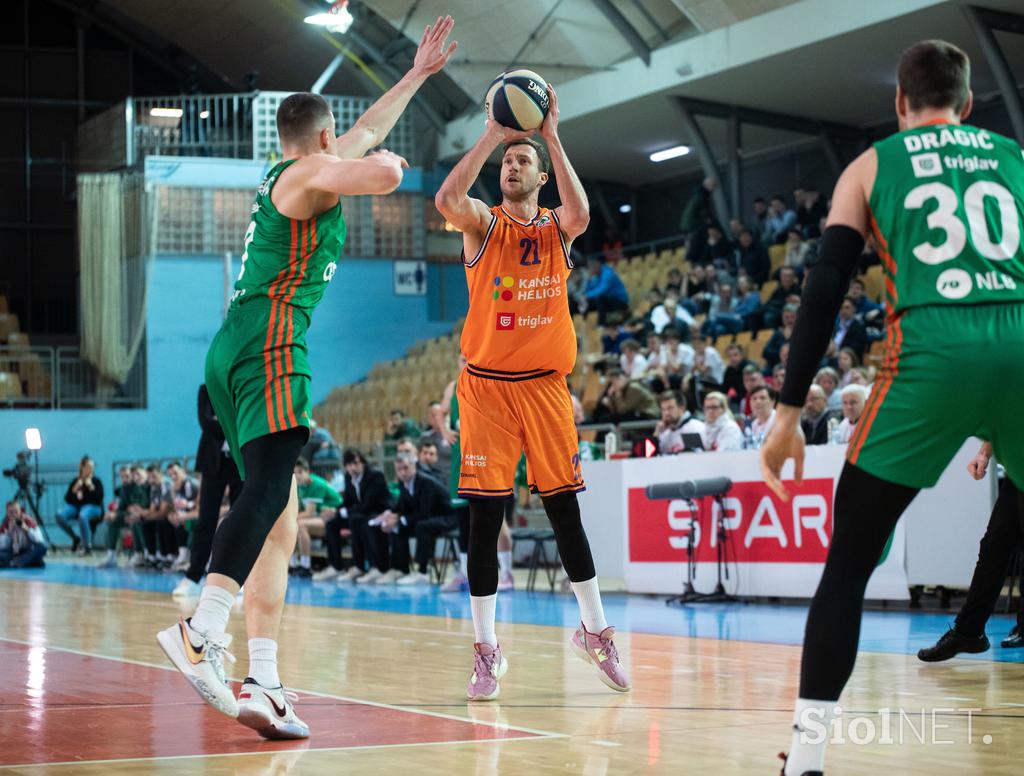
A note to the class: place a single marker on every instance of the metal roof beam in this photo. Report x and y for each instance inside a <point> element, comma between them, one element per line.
<point>625,29</point>
<point>764,118</point>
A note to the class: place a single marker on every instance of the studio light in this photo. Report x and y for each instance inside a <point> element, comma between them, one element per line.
<point>33,439</point>
<point>670,153</point>
<point>338,19</point>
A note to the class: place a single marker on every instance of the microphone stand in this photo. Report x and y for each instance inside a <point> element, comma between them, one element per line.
<point>689,593</point>
<point>720,594</point>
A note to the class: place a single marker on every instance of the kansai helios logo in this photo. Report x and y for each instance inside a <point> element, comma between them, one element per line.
<point>502,287</point>
<point>506,322</point>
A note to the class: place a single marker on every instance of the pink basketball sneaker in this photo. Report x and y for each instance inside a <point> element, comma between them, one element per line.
<point>599,649</point>
<point>489,665</point>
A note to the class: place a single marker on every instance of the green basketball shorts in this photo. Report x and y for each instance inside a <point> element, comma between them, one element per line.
<point>949,373</point>
<point>257,373</point>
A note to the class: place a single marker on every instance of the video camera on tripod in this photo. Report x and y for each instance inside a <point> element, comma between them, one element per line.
<point>21,472</point>
<point>30,489</point>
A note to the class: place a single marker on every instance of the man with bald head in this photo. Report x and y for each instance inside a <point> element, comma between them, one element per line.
<point>816,415</point>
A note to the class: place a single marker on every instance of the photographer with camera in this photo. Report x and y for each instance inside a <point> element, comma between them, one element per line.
<point>21,541</point>
<point>84,503</point>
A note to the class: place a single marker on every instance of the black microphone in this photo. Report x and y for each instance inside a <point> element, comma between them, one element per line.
<point>690,489</point>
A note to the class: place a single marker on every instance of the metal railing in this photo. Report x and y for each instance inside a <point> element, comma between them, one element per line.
<point>59,378</point>
<point>193,125</point>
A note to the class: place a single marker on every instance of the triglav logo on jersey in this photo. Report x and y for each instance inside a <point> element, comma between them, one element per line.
<point>502,286</point>
<point>506,322</point>
<point>926,165</point>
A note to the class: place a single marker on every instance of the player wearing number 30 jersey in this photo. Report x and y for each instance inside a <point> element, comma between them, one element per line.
<point>945,204</point>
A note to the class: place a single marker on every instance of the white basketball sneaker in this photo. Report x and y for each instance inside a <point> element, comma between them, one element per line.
<point>187,589</point>
<point>200,658</point>
<point>270,712</point>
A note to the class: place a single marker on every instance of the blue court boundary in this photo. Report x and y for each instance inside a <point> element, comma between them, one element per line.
<point>898,632</point>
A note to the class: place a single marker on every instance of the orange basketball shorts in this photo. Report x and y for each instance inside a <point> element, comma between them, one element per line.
<point>503,414</point>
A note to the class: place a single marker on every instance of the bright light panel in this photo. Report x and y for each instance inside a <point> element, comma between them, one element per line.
<point>165,113</point>
<point>625,208</point>
<point>338,22</point>
<point>670,153</point>
<point>33,439</point>
<point>204,114</point>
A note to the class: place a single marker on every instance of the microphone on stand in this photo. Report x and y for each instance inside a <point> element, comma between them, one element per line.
<point>689,489</point>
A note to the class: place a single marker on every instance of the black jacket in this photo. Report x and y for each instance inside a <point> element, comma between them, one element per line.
<point>429,499</point>
<point>85,495</point>
<point>856,338</point>
<point>210,456</point>
<point>756,262</point>
<point>372,498</point>
<point>816,433</point>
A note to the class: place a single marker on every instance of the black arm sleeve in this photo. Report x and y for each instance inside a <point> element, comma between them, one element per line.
<point>207,419</point>
<point>827,283</point>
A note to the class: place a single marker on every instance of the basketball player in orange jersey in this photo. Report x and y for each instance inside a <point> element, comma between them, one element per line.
<point>520,344</point>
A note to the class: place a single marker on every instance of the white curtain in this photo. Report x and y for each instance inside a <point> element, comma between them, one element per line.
<point>116,241</point>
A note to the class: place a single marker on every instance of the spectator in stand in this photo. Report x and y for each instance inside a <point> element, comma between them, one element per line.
<point>115,515</point>
<point>846,363</point>
<point>695,289</point>
<point>723,317</point>
<point>186,507</point>
<point>762,405</point>
<point>615,332</point>
<point>319,503</point>
<point>787,287</point>
<point>721,432</point>
<point>427,462</point>
<point>441,437</point>
<point>655,296</point>
<point>778,376</point>
<point>611,248</point>
<point>21,540</point>
<point>781,337</point>
<point>675,421</point>
<point>717,250</point>
<point>321,449</point>
<point>424,510</point>
<point>366,497</point>
<point>752,378</point>
<point>632,361</point>
<point>796,250</point>
<point>158,534</point>
<point>811,208</point>
<point>869,256</point>
<point>816,415</point>
<point>671,313</point>
<point>624,400</point>
<point>406,445</point>
<point>400,426</point>
<point>605,291</point>
<point>828,379</point>
<point>752,258</point>
<point>780,220</point>
<point>849,332</point>
<point>854,398</point>
<point>674,282</point>
<point>760,222</point>
<point>863,375</point>
<point>736,364</point>
<point>707,363</point>
<point>83,502</point>
<point>137,499</point>
<point>748,304</point>
<point>674,362</point>
<point>698,215</point>
<point>866,309</point>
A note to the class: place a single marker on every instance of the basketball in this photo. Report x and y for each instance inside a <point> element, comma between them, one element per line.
<point>517,99</point>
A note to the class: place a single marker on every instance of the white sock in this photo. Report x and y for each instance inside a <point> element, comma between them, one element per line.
<point>812,727</point>
<point>305,561</point>
<point>293,561</point>
<point>263,662</point>
<point>483,618</point>
<point>110,554</point>
<point>588,596</point>
<point>464,563</point>
<point>211,615</point>
<point>505,562</point>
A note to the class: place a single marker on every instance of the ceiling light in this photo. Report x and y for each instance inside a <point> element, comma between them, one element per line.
<point>625,208</point>
<point>670,153</point>
<point>338,19</point>
<point>165,113</point>
<point>204,114</point>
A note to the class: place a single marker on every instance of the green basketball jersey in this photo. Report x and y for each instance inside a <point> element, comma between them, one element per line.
<point>948,210</point>
<point>287,260</point>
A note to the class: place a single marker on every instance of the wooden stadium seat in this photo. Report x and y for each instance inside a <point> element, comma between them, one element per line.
<point>777,255</point>
<point>8,325</point>
<point>768,289</point>
<point>755,350</point>
<point>744,338</point>
<point>3,304</point>
<point>722,342</point>
<point>875,354</point>
<point>17,341</point>
<point>10,386</point>
<point>874,282</point>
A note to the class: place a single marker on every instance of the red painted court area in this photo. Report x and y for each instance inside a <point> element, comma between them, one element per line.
<point>63,707</point>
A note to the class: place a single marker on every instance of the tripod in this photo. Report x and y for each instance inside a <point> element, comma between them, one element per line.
<point>719,593</point>
<point>689,594</point>
<point>25,496</point>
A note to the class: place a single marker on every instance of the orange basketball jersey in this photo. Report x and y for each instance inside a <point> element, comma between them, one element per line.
<point>518,320</point>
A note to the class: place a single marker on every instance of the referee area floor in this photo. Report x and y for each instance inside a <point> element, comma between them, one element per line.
<point>381,673</point>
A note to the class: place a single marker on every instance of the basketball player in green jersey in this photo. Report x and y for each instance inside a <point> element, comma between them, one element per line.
<point>945,203</point>
<point>258,377</point>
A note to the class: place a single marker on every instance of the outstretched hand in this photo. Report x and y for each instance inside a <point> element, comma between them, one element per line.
<point>782,444</point>
<point>432,55</point>
<point>549,129</point>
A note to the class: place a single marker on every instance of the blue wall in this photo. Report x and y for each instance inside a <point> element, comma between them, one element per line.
<point>359,322</point>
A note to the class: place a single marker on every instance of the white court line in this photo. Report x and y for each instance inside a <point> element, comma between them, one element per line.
<point>360,701</point>
<point>271,753</point>
<point>605,743</point>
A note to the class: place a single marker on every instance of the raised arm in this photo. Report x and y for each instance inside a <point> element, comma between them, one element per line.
<point>574,212</point>
<point>373,126</point>
<point>378,173</point>
<point>465,213</point>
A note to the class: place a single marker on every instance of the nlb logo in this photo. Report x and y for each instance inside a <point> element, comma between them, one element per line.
<point>502,286</point>
<point>329,271</point>
<point>506,322</point>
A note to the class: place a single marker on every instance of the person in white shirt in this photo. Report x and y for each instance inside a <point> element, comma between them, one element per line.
<point>670,312</point>
<point>762,406</point>
<point>720,430</point>
<point>675,421</point>
<point>632,361</point>
<point>707,363</point>
<point>854,397</point>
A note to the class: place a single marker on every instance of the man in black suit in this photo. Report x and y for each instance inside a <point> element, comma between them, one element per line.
<point>366,497</point>
<point>425,510</point>
<point>850,333</point>
<point>816,415</point>
<point>217,467</point>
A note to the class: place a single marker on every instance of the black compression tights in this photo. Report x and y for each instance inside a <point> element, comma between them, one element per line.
<point>866,511</point>
<point>269,464</point>
<point>485,517</point>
